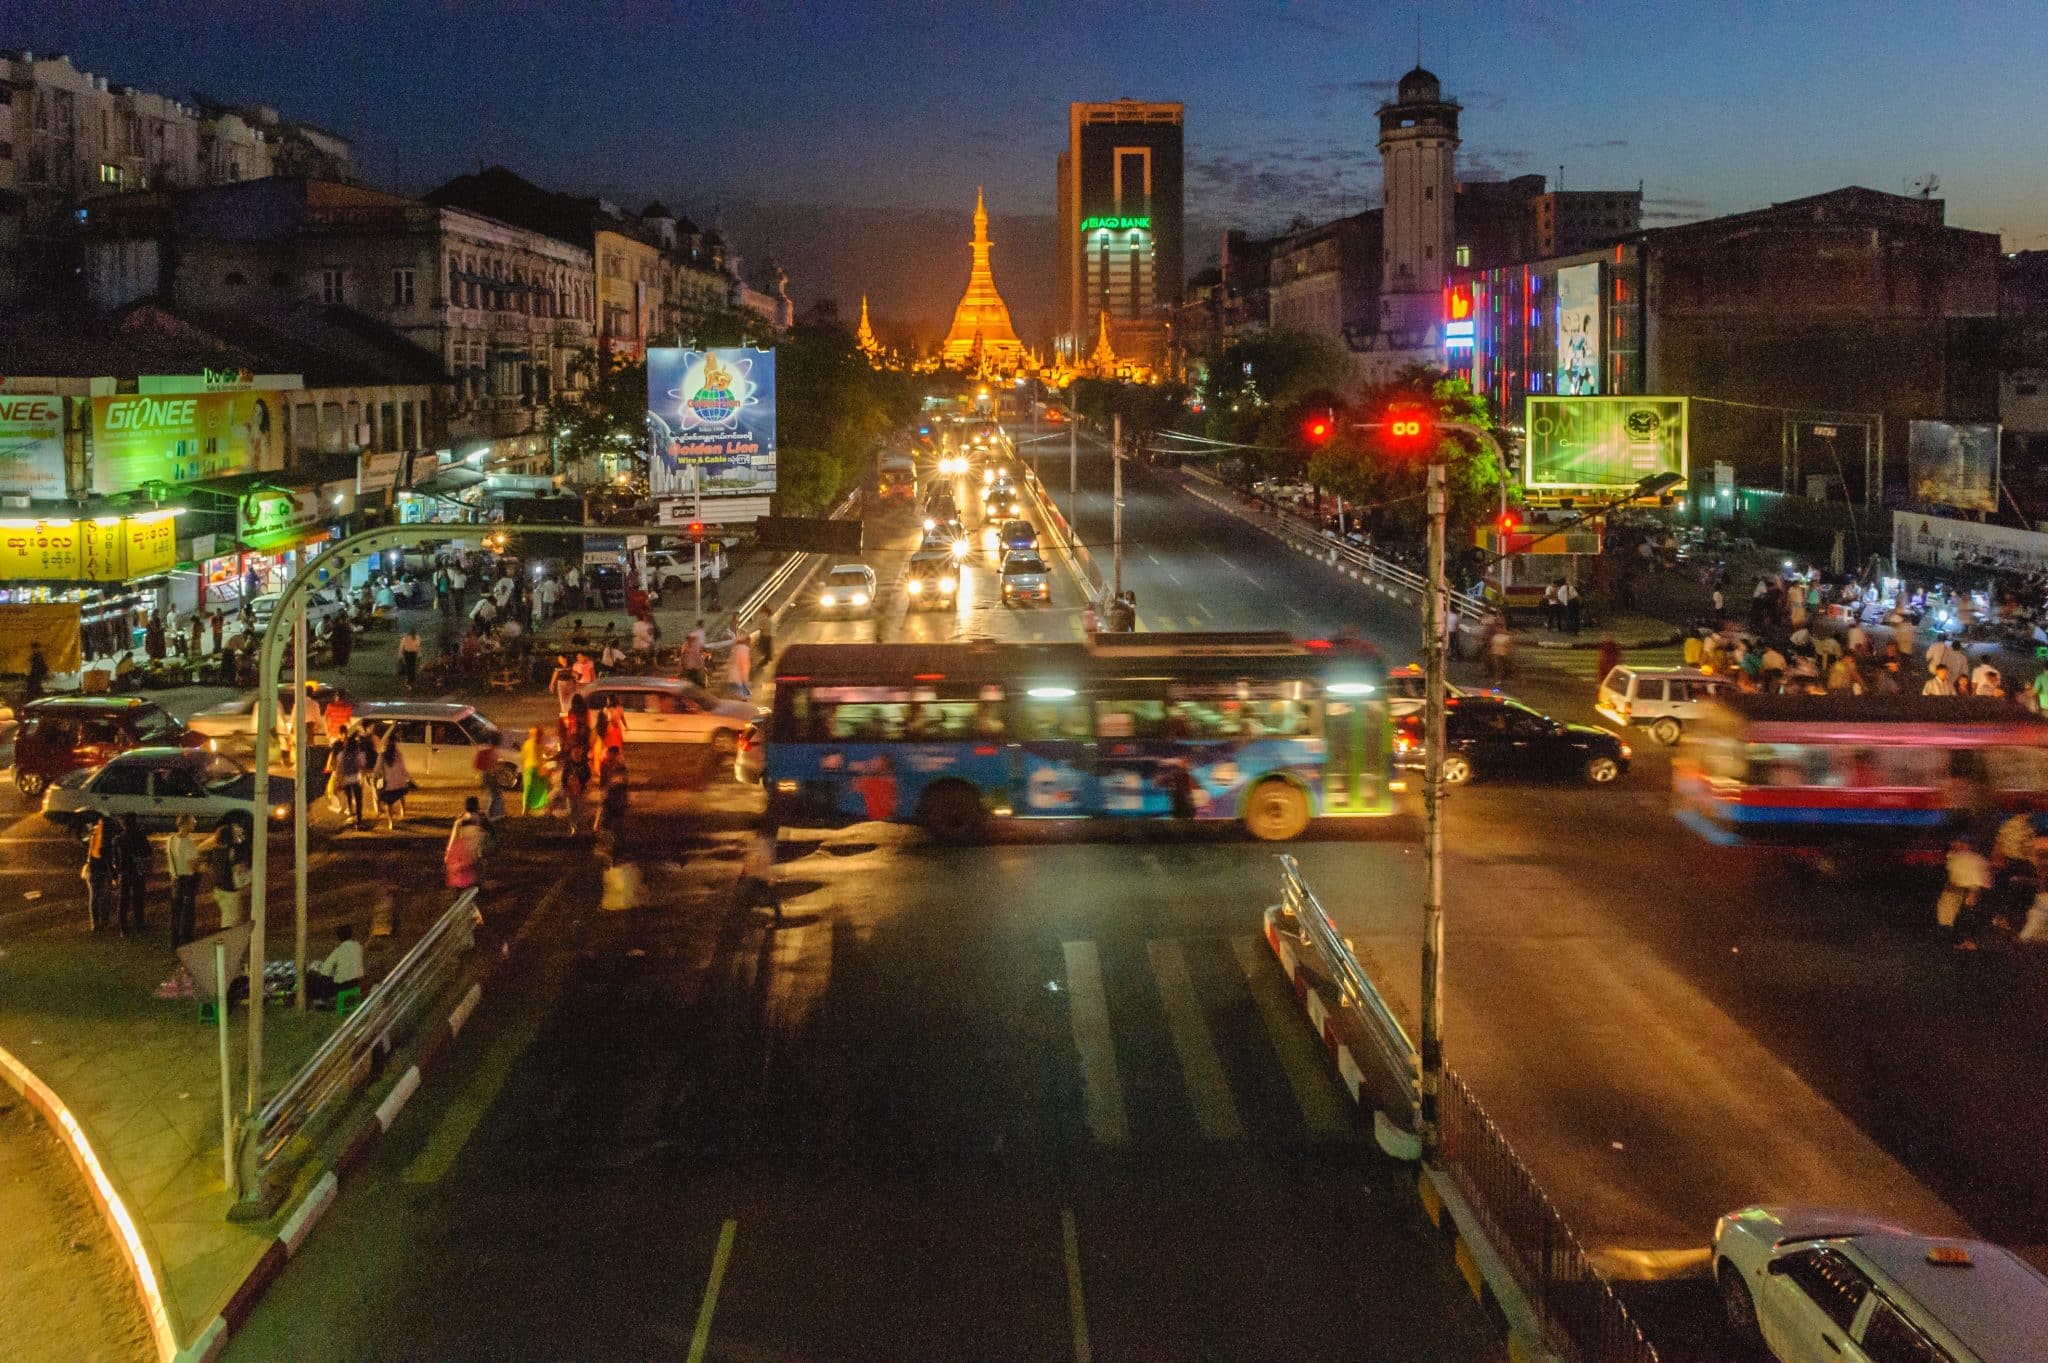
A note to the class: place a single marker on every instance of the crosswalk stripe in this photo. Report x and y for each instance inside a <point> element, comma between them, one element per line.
<point>1102,1090</point>
<point>1208,1090</point>
<point>1301,1055</point>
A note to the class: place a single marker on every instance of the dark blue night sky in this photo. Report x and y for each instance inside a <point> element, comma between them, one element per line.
<point>905,107</point>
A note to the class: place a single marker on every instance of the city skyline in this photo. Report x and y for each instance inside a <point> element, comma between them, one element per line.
<point>1279,124</point>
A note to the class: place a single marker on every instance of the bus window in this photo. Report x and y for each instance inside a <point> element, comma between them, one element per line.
<point>956,719</point>
<point>1130,718</point>
<point>1212,719</point>
<point>1054,721</point>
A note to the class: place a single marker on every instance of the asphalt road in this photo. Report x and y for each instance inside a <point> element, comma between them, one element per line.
<point>999,1102</point>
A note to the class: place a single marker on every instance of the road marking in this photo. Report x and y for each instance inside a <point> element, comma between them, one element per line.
<point>1208,1089</point>
<point>795,984</point>
<point>1301,1055</point>
<point>1088,1011</point>
<point>1077,1304</point>
<point>700,1339</point>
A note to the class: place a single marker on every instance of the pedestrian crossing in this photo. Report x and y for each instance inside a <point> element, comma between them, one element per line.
<point>1584,663</point>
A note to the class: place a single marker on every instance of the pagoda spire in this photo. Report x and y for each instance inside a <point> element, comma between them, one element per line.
<point>982,315</point>
<point>865,336</point>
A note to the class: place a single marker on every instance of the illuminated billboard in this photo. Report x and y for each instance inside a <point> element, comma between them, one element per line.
<point>1578,330</point>
<point>1603,442</point>
<point>1953,465</point>
<point>711,421</point>
<point>32,445</point>
<point>139,438</point>
<point>1460,328</point>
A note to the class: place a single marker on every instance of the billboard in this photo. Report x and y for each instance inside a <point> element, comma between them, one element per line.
<point>1578,330</point>
<point>32,445</point>
<point>1603,442</point>
<point>89,551</point>
<point>1942,542</point>
<point>711,421</point>
<point>1953,465</point>
<point>139,438</point>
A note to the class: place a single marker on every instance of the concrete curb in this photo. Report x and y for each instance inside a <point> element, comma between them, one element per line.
<point>299,1224</point>
<point>127,1232</point>
<point>1625,645</point>
<point>1478,1263</point>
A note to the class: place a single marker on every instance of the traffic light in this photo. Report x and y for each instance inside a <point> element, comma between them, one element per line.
<point>695,530</point>
<point>1317,428</point>
<point>1507,522</point>
<point>1408,428</point>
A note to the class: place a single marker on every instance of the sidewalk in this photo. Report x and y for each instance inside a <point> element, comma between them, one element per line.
<point>140,1073</point>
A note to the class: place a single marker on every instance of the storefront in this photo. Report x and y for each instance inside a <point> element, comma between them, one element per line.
<point>118,570</point>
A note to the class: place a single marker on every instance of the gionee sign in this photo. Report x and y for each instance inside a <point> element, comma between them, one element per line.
<point>183,437</point>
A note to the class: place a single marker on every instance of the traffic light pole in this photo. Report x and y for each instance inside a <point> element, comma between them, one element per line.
<point>1434,717</point>
<point>1116,506</point>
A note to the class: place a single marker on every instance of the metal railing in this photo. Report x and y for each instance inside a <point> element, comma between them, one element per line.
<point>1578,1307</point>
<point>1286,524</point>
<point>1063,535</point>
<point>1400,1062</point>
<point>282,1131</point>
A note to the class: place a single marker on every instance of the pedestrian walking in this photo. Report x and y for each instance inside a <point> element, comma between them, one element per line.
<point>693,654</point>
<point>101,854</point>
<point>739,669</point>
<point>614,727</point>
<point>132,867</point>
<point>1500,651</point>
<point>1608,658</point>
<point>394,780</point>
<point>1551,616</point>
<point>181,855</point>
<point>585,670</point>
<point>463,858</point>
<point>364,757</point>
<point>1571,604</point>
<point>562,682</point>
<point>409,656</point>
<point>38,670</point>
<point>533,780</point>
<point>227,865</point>
<point>1969,876</point>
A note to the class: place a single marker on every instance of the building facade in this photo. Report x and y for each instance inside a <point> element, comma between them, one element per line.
<point>1121,228</point>
<point>1567,222</point>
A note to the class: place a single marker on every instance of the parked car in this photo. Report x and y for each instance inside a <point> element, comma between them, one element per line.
<point>1661,699</point>
<point>675,570</point>
<point>63,734</point>
<point>440,740</point>
<point>1816,1285</point>
<point>664,710</point>
<point>236,719</point>
<point>1496,736</point>
<point>321,603</point>
<point>162,785</point>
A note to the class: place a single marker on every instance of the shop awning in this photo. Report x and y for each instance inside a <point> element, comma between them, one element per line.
<point>455,478</point>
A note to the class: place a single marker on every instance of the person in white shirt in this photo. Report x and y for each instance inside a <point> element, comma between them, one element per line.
<point>544,599</point>
<point>484,611</point>
<point>343,967</point>
<point>1939,684</point>
<point>1985,681</point>
<point>502,589</point>
<point>181,850</point>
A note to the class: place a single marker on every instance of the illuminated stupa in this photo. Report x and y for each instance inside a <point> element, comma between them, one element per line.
<point>865,337</point>
<point>981,337</point>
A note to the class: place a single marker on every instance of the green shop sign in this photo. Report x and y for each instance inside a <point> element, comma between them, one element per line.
<point>1116,224</point>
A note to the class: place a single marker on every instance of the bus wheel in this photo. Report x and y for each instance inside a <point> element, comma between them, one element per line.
<point>951,812</point>
<point>1276,812</point>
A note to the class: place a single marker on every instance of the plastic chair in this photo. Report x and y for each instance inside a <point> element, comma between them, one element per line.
<point>347,999</point>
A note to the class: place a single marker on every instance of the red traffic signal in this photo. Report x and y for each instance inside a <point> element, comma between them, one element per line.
<point>1508,522</point>
<point>1408,428</point>
<point>1318,428</point>
<point>695,530</point>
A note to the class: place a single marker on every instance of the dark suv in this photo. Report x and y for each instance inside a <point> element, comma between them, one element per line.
<point>1494,736</point>
<point>67,733</point>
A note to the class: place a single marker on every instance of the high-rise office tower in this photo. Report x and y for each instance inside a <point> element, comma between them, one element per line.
<point>1120,227</point>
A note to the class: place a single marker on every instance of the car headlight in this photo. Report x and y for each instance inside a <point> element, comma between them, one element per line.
<point>960,549</point>
<point>828,600</point>
<point>860,598</point>
<point>914,586</point>
<point>930,524</point>
<point>946,584</point>
<point>1626,751</point>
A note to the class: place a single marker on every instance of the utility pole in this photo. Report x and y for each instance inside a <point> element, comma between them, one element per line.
<point>1434,713</point>
<point>302,734</point>
<point>1073,465</point>
<point>1116,507</point>
<point>697,541</point>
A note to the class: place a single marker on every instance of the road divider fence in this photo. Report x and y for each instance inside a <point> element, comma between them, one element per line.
<point>1079,561</point>
<point>785,585</point>
<point>275,1141</point>
<point>1510,1237</point>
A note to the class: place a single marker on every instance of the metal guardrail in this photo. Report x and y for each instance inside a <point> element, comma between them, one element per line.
<point>278,1135</point>
<point>1468,606</point>
<point>1078,557</point>
<point>1397,1053</point>
<point>1577,1307</point>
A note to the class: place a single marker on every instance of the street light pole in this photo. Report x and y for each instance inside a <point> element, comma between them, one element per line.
<point>1073,464</point>
<point>1116,508</point>
<point>1434,715</point>
<point>302,734</point>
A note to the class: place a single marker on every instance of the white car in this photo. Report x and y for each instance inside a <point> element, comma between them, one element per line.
<point>1822,1286</point>
<point>1663,700</point>
<point>671,570</point>
<point>236,719</point>
<point>848,589</point>
<point>320,603</point>
<point>664,710</point>
<point>952,465</point>
<point>161,785</point>
<point>439,741</point>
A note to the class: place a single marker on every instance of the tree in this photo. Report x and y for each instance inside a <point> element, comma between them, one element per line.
<point>1260,387</point>
<point>597,422</point>
<point>1389,489</point>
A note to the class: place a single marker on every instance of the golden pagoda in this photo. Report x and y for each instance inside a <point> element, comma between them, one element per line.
<point>865,337</point>
<point>981,337</point>
<point>1102,360</point>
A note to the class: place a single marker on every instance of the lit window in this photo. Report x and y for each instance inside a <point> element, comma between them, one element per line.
<point>1464,255</point>
<point>110,174</point>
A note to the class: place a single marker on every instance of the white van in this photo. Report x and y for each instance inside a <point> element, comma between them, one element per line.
<point>1661,699</point>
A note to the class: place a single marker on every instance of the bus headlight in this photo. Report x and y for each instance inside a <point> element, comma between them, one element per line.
<point>930,524</point>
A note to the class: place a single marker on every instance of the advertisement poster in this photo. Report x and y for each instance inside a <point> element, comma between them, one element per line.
<point>1603,442</point>
<point>83,551</point>
<point>1938,542</point>
<point>32,445</point>
<point>1578,330</point>
<point>183,437</point>
<point>711,421</point>
<point>1953,465</point>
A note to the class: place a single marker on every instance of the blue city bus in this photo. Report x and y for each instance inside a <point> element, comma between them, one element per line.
<point>1257,727</point>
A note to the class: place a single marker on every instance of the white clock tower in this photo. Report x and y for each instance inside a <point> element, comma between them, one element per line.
<point>1418,160</point>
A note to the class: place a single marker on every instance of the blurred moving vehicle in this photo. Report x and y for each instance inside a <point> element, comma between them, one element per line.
<point>1002,501</point>
<point>1819,1285</point>
<point>750,755</point>
<point>442,741</point>
<point>848,589</point>
<point>1407,689</point>
<point>1664,700</point>
<point>236,719</point>
<point>159,786</point>
<point>1025,577</point>
<point>897,481</point>
<point>1495,736</point>
<point>932,581</point>
<point>63,734</point>
<point>665,710</point>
